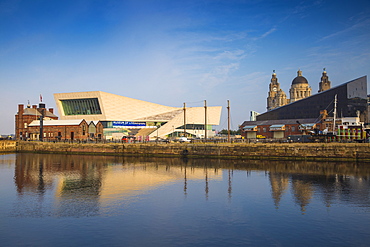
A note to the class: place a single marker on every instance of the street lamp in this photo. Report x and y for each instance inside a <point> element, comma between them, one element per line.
<point>42,111</point>
<point>158,125</point>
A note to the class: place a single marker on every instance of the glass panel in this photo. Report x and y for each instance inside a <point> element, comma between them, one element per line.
<point>81,106</point>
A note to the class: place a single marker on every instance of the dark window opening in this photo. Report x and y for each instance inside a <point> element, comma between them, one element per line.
<point>81,106</point>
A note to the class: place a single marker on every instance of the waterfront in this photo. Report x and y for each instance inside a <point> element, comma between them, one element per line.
<point>71,200</point>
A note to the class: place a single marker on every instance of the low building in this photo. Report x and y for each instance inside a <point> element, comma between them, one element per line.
<point>278,129</point>
<point>26,115</point>
<point>346,129</point>
<point>30,122</point>
<point>63,130</point>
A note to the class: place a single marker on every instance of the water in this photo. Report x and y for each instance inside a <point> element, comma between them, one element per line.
<point>70,200</point>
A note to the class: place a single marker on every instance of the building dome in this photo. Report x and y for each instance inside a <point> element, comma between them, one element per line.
<point>299,79</point>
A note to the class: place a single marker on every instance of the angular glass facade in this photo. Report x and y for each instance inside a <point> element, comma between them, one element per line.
<point>81,106</point>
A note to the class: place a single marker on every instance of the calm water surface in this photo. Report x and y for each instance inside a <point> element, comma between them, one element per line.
<point>70,200</point>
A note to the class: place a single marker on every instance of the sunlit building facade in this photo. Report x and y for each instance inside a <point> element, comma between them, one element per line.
<point>345,104</point>
<point>124,116</point>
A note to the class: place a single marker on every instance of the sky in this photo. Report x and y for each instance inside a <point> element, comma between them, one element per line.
<point>173,52</point>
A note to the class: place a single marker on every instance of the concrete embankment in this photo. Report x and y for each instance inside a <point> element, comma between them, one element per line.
<point>8,146</point>
<point>288,151</point>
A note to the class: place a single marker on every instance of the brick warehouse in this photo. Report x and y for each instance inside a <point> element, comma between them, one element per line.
<point>26,115</point>
<point>28,126</point>
<point>278,129</point>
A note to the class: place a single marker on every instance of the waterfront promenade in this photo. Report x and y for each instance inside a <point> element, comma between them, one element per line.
<point>274,151</point>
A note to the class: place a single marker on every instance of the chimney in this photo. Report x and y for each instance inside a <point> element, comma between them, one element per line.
<point>34,106</point>
<point>20,109</point>
<point>51,110</point>
<point>19,121</point>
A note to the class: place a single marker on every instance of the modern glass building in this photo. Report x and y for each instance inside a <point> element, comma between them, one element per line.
<point>126,116</point>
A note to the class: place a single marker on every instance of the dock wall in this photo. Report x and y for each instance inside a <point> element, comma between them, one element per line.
<point>8,146</point>
<point>288,151</point>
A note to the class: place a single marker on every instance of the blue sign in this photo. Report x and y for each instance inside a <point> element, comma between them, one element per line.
<point>128,124</point>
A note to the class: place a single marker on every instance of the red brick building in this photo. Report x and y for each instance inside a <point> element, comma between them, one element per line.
<point>27,126</point>
<point>26,115</point>
<point>96,130</point>
<point>279,129</point>
<point>59,130</point>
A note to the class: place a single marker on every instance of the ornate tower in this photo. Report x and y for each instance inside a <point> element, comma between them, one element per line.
<point>276,96</point>
<point>300,88</point>
<point>324,84</point>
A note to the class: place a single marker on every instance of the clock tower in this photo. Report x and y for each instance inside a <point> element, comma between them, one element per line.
<point>276,96</point>
<point>324,83</point>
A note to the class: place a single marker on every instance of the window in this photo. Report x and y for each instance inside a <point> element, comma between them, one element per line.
<point>264,129</point>
<point>81,106</point>
<point>25,125</point>
<point>293,128</point>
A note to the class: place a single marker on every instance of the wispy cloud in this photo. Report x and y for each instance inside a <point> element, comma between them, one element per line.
<point>231,55</point>
<point>218,75</point>
<point>264,35</point>
<point>355,27</point>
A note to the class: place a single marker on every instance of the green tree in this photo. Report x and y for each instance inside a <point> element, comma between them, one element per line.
<point>232,132</point>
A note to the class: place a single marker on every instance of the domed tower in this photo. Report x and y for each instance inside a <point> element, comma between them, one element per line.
<point>300,88</point>
<point>276,96</point>
<point>324,84</point>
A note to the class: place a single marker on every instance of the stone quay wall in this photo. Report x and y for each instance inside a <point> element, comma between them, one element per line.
<point>8,146</point>
<point>288,151</point>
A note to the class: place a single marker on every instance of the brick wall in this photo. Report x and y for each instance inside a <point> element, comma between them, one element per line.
<point>61,132</point>
<point>288,151</point>
<point>8,146</point>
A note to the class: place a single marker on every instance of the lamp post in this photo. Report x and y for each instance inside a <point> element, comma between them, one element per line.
<point>157,134</point>
<point>205,120</point>
<point>42,110</point>
<point>41,126</point>
<point>228,121</point>
<point>184,120</point>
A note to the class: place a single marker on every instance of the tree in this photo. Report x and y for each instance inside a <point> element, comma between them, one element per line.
<point>232,132</point>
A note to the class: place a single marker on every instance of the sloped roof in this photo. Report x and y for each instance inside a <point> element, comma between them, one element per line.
<point>194,115</point>
<point>114,107</point>
<point>163,117</point>
<point>73,122</point>
<point>36,112</point>
<point>281,121</point>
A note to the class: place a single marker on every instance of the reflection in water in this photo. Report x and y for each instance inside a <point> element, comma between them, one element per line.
<point>84,185</point>
<point>279,185</point>
<point>229,189</point>
<point>185,181</point>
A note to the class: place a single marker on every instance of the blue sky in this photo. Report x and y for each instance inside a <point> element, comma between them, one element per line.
<point>170,52</point>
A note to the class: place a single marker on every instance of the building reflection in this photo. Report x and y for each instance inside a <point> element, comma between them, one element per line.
<point>279,185</point>
<point>84,185</point>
